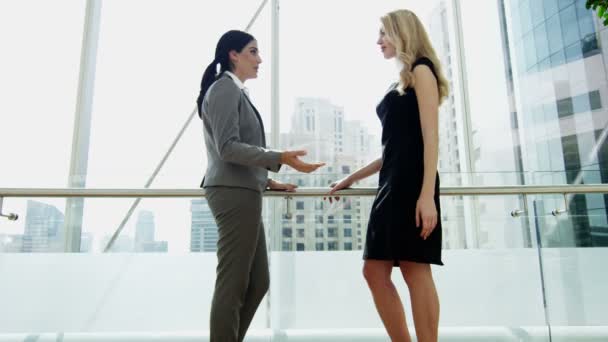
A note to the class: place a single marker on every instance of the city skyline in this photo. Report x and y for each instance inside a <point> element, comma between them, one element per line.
<point>363,35</point>
<point>124,154</point>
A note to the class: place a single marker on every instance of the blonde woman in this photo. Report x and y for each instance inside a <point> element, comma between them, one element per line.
<point>404,228</point>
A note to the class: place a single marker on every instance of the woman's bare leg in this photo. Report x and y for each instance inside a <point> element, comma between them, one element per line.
<point>377,273</point>
<point>425,302</point>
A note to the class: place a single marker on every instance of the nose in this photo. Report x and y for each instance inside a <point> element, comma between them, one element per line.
<point>379,41</point>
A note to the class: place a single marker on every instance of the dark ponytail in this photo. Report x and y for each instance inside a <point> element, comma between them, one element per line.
<point>209,77</point>
<point>231,40</point>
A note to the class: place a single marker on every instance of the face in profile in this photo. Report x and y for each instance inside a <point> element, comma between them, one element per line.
<point>246,63</point>
<point>387,48</point>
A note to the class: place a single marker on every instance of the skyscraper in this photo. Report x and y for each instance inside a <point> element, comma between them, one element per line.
<point>86,242</point>
<point>451,154</point>
<point>203,230</point>
<point>144,230</point>
<point>144,234</point>
<point>44,228</point>
<point>144,242</point>
<point>559,88</point>
<point>320,127</point>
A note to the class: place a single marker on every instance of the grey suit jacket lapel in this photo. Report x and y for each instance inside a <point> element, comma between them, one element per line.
<point>257,114</point>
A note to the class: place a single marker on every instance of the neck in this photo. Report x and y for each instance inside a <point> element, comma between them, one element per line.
<point>398,64</point>
<point>240,76</point>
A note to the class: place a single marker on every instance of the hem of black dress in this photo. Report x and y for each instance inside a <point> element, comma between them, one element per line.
<point>412,259</point>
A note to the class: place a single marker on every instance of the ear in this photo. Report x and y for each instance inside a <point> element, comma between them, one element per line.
<point>234,56</point>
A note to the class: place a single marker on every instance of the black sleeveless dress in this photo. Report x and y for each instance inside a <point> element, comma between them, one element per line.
<point>392,233</point>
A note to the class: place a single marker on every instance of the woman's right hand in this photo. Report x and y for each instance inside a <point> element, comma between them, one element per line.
<point>291,158</point>
<point>343,183</point>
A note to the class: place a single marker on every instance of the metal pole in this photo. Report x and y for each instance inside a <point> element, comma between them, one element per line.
<point>471,203</point>
<point>306,192</point>
<point>275,126</point>
<point>82,125</point>
<point>255,16</point>
<point>9,216</point>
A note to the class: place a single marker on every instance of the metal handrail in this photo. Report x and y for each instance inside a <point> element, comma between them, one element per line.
<point>305,192</point>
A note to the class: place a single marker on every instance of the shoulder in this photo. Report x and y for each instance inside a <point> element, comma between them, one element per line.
<point>224,87</point>
<point>423,61</point>
<point>424,68</point>
<point>224,84</point>
<point>223,94</point>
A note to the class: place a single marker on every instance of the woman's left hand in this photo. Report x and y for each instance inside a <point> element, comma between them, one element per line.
<point>280,186</point>
<point>426,214</point>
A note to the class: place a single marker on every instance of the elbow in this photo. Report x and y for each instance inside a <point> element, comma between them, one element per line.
<point>378,165</point>
<point>226,152</point>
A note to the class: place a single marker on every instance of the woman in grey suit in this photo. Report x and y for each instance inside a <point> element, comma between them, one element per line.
<point>236,176</point>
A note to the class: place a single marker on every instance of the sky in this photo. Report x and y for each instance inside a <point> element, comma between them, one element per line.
<point>151,55</point>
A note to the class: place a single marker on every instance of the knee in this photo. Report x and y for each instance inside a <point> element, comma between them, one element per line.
<point>415,274</point>
<point>410,280</point>
<point>376,276</point>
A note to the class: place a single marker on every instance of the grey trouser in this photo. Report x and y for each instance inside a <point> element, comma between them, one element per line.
<point>242,270</point>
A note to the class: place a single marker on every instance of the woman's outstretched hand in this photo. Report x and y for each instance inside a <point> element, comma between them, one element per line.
<point>344,183</point>
<point>292,159</point>
<point>280,186</point>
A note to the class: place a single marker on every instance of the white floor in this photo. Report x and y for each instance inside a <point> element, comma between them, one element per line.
<point>447,334</point>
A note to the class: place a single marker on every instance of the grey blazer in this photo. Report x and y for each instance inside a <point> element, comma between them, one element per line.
<point>235,139</point>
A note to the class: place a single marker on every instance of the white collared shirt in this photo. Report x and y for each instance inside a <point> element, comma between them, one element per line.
<point>238,82</point>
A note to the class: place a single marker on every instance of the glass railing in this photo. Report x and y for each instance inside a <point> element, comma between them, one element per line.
<point>521,264</point>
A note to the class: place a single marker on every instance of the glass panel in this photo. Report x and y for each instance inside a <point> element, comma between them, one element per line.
<point>515,17</point>
<point>590,46</point>
<point>574,52</point>
<point>541,43</point>
<point>563,89</point>
<point>39,68</point>
<point>537,12</point>
<point>155,272</point>
<point>564,3</point>
<point>585,19</point>
<point>574,276</point>
<point>551,7</point>
<point>148,78</point>
<point>580,103</point>
<point>595,100</point>
<point>526,15</point>
<point>558,58</point>
<point>554,34</point>
<point>303,281</point>
<point>569,25</point>
<point>531,57</point>
<point>117,282</point>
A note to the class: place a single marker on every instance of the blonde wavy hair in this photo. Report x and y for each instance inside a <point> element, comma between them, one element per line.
<point>405,31</point>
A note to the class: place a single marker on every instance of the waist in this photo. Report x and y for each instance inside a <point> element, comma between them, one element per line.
<point>234,175</point>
